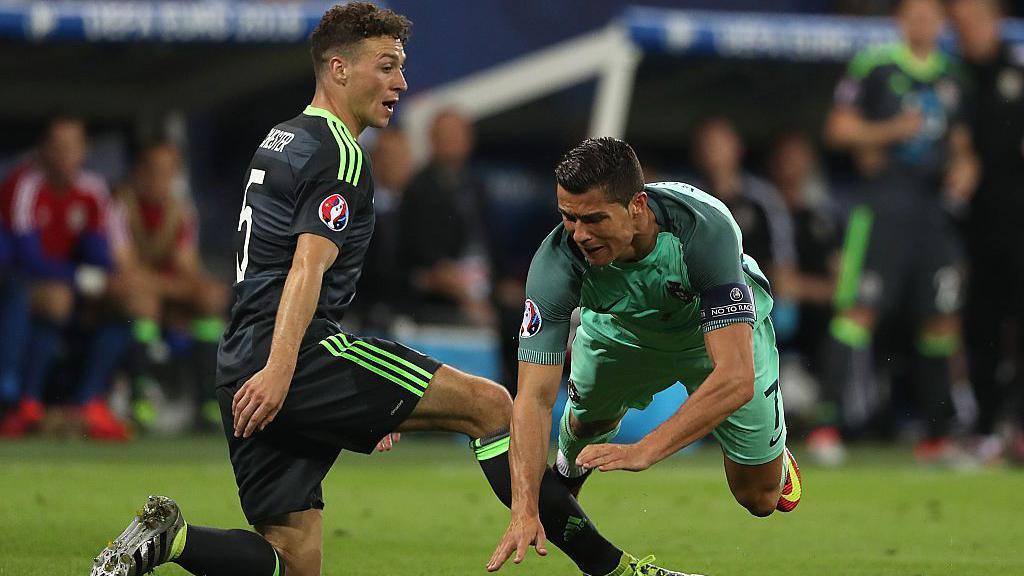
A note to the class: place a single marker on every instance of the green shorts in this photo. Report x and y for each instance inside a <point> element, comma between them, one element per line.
<point>630,376</point>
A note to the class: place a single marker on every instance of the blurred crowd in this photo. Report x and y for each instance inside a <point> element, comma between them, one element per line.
<point>894,296</point>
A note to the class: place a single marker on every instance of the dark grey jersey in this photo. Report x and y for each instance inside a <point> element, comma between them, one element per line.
<point>308,176</point>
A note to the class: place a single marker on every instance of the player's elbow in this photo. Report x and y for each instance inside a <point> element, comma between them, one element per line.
<point>741,387</point>
<point>840,129</point>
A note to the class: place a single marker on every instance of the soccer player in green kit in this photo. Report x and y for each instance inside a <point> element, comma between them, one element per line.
<point>666,295</point>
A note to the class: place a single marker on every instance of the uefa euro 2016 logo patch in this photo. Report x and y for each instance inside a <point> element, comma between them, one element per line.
<point>334,212</point>
<point>531,320</point>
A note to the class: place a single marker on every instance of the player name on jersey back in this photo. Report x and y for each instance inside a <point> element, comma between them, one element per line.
<point>277,140</point>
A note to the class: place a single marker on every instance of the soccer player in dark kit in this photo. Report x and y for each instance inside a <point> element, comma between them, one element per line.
<point>294,389</point>
<point>899,110</point>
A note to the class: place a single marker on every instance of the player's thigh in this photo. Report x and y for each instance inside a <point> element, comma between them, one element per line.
<point>874,262</point>
<point>298,538</point>
<point>278,470</point>
<point>756,433</point>
<point>939,272</point>
<point>608,379</point>
<point>456,401</point>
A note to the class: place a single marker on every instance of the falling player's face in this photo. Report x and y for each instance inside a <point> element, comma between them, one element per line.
<point>602,228</point>
<point>375,80</point>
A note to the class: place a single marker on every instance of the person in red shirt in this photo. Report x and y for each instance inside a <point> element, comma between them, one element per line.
<point>57,219</point>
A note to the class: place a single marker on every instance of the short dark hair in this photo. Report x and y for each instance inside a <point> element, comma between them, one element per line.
<point>604,162</point>
<point>344,25</point>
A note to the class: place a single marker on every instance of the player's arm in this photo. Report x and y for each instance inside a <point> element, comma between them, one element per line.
<point>552,289</point>
<point>847,126</point>
<point>964,168</point>
<point>729,386</point>
<point>727,313</point>
<point>257,402</point>
<point>528,450</point>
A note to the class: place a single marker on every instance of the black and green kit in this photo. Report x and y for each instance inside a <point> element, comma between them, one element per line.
<point>309,176</point>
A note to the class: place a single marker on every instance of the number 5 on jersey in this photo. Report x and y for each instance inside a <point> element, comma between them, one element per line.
<point>245,217</point>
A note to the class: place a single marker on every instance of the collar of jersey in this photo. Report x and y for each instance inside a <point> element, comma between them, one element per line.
<point>926,70</point>
<point>647,259</point>
<point>314,111</point>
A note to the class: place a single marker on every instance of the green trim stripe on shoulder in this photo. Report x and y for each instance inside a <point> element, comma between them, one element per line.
<point>492,450</point>
<point>899,54</point>
<point>341,348</point>
<point>357,167</point>
<point>855,247</point>
<point>348,147</point>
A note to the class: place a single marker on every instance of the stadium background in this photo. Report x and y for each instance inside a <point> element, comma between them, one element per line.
<point>214,76</point>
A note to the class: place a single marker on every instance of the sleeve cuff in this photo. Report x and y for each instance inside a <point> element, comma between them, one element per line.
<point>535,357</point>
<point>717,324</point>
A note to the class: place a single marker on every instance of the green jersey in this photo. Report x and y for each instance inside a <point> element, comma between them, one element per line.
<point>695,280</point>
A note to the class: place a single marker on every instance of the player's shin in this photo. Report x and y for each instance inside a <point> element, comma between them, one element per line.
<point>569,447</point>
<point>933,381</point>
<point>215,552</point>
<point>565,523</point>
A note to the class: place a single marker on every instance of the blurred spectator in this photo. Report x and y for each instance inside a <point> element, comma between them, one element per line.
<point>176,307</point>
<point>793,172</point>
<point>444,242</point>
<point>994,315</point>
<point>13,313</point>
<point>379,292</point>
<point>58,219</point>
<point>758,210</point>
<point>899,111</point>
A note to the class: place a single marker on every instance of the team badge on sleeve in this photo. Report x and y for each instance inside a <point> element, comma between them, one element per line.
<point>334,212</point>
<point>531,320</point>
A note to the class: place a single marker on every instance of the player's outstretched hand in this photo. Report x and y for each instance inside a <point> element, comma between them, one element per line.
<point>521,533</point>
<point>258,401</point>
<point>388,442</point>
<point>607,457</point>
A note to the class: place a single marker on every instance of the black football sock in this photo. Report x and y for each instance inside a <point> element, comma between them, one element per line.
<point>848,357</point>
<point>933,382</point>
<point>216,552</point>
<point>565,524</point>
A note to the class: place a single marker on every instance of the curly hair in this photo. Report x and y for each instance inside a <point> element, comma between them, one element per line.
<point>604,162</point>
<point>344,25</point>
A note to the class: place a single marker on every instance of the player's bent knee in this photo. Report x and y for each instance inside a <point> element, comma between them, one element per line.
<point>759,503</point>
<point>493,407</point>
<point>297,538</point>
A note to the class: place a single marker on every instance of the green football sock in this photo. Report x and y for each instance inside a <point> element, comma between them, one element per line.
<point>570,446</point>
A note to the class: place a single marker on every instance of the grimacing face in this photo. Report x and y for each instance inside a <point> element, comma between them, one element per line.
<point>376,80</point>
<point>602,228</point>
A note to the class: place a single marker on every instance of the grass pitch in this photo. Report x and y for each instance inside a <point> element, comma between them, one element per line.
<point>425,509</point>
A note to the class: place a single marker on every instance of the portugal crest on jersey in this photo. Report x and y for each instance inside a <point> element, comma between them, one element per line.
<point>334,212</point>
<point>531,320</point>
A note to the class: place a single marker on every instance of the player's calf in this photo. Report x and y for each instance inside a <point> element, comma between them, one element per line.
<point>756,487</point>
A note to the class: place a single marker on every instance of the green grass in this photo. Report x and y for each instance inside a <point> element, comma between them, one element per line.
<point>425,509</point>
